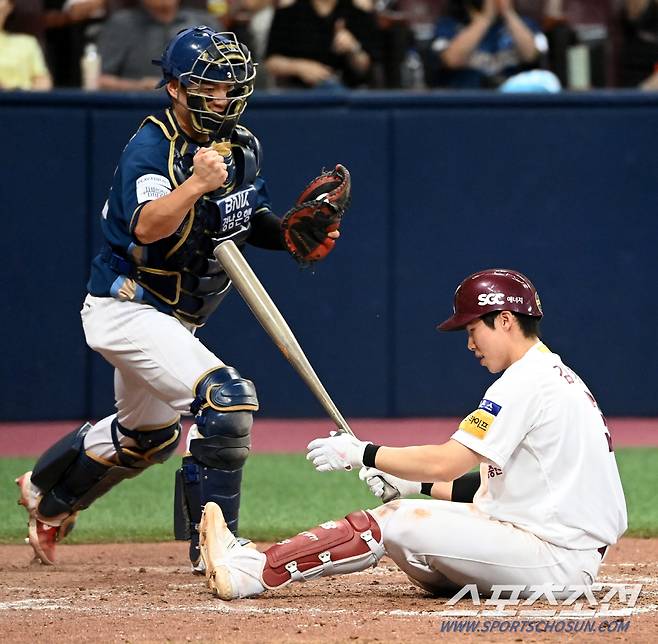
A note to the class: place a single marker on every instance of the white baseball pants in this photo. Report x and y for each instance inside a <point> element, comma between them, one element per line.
<point>157,361</point>
<point>444,546</point>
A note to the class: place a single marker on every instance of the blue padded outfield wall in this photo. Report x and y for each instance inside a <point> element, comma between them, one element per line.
<point>563,188</point>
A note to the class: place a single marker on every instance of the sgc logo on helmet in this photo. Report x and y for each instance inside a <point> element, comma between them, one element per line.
<point>494,289</point>
<point>487,299</point>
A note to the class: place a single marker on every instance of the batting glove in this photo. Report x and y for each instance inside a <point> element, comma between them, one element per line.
<point>376,479</point>
<point>340,451</point>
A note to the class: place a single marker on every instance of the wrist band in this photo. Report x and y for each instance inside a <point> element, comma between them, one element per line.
<point>369,454</point>
<point>465,487</point>
<point>426,489</point>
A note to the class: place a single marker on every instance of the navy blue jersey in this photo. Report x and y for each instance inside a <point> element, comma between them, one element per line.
<point>494,60</point>
<point>179,274</point>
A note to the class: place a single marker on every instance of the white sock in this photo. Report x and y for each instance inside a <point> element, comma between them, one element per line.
<point>245,566</point>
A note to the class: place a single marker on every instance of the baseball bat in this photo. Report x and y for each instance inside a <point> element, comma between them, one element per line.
<point>270,318</point>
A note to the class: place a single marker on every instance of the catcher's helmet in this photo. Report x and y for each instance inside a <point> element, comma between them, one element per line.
<point>496,289</point>
<point>199,56</point>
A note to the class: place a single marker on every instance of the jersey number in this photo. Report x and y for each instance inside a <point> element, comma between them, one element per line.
<point>608,437</point>
<point>570,377</point>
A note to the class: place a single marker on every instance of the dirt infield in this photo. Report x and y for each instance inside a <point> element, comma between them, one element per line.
<point>145,593</point>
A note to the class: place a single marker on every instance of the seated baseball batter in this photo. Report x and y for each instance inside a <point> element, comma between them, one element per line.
<point>543,508</point>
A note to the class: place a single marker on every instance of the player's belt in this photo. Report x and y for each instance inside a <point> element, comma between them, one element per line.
<point>194,307</point>
<point>164,284</point>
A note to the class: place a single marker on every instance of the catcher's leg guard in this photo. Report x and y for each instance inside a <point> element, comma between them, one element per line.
<point>224,406</point>
<point>71,479</point>
<point>333,548</point>
<point>66,479</point>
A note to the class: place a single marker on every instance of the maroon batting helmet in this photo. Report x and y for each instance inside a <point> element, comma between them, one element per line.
<point>496,289</point>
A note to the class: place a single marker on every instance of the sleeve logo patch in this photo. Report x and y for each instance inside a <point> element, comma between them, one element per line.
<point>477,423</point>
<point>151,186</point>
<point>490,406</point>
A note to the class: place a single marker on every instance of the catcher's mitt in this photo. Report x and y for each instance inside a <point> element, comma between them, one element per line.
<point>318,211</point>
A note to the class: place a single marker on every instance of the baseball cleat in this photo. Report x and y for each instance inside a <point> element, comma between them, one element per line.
<point>216,541</point>
<point>199,567</point>
<point>42,536</point>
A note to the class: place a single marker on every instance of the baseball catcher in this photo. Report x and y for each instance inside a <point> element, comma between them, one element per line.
<point>187,180</point>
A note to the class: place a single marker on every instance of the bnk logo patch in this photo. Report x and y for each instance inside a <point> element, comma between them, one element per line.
<point>490,406</point>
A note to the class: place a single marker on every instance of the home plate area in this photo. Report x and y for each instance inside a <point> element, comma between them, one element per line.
<point>146,593</point>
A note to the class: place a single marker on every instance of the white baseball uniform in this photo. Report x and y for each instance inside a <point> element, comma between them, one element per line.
<point>550,495</point>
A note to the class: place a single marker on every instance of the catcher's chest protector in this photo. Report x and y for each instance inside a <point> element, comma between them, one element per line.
<point>336,547</point>
<point>181,269</point>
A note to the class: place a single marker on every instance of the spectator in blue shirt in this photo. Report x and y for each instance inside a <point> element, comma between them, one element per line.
<point>480,43</point>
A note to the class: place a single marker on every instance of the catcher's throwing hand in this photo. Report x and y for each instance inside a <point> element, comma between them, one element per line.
<point>310,228</point>
<point>209,170</point>
<point>340,451</point>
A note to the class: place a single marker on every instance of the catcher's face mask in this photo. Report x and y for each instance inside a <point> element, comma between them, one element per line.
<point>201,59</point>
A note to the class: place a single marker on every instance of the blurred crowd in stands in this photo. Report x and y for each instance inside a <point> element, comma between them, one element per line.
<point>514,45</point>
